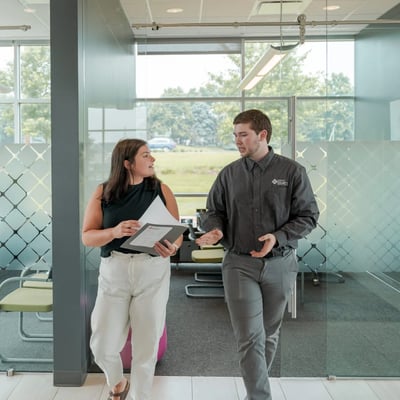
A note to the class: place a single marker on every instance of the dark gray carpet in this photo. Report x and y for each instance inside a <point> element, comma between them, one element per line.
<point>362,326</point>
<point>344,329</point>
<point>361,337</point>
<point>200,339</point>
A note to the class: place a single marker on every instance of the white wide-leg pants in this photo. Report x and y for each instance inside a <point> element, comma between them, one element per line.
<point>133,292</point>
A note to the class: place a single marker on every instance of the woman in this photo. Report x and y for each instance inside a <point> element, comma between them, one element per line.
<point>133,287</point>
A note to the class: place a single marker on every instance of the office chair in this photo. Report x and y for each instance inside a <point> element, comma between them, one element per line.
<point>209,282</point>
<point>33,294</point>
<point>209,256</point>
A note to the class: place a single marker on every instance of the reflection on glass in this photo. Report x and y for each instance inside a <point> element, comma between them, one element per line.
<point>6,72</point>
<point>187,75</point>
<point>311,69</point>
<point>36,123</point>
<point>7,131</point>
<point>344,118</point>
<point>35,72</point>
<point>278,112</point>
<point>328,120</point>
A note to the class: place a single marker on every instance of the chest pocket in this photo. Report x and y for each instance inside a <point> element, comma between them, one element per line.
<point>277,197</point>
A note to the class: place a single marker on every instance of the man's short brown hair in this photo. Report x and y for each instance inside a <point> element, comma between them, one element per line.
<point>257,119</point>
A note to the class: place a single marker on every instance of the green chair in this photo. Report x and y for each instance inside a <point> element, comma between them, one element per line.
<point>33,294</point>
<point>210,281</point>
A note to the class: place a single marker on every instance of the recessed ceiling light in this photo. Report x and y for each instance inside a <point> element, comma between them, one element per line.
<point>29,10</point>
<point>174,10</point>
<point>331,8</point>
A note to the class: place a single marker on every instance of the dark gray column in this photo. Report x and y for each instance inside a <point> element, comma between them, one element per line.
<point>70,319</point>
<point>92,66</point>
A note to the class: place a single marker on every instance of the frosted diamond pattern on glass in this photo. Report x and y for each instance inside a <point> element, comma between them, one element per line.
<point>25,200</point>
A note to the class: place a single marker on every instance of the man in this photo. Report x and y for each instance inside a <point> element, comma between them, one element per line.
<point>258,208</point>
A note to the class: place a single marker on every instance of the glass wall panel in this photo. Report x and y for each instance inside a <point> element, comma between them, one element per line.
<point>204,143</point>
<point>328,115</point>
<point>278,112</point>
<point>35,123</point>
<point>7,94</point>
<point>6,72</point>
<point>25,185</point>
<point>187,75</point>
<point>203,132</point>
<point>35,72</point>
<point>363,244</point>
<point>25,221</point>
<point>328,120</point>
<point>348,264</point>
<point>6,123</point>
<point>315,68</point>
<point>25,94</point>
<point>362,219</point>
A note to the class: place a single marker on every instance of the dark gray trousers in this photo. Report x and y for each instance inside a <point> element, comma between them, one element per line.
<point>257,291</point>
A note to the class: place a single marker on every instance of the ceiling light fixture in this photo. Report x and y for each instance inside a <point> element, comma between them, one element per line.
<point>174,10</point>
<point>270,59</point>
<point>331,8</point>
<point>271,7</point>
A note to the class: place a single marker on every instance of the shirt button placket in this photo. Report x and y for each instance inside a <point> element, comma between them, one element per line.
<point>257,199</point>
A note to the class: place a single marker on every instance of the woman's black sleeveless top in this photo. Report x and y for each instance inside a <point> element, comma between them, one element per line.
<point>131,206</point>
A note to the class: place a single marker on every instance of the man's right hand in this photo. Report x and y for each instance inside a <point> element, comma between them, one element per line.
<point>210,238</point>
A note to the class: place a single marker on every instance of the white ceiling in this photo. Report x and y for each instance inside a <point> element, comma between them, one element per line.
<point>195,12</point>
<point>245,11</point>
<point>12,14</point>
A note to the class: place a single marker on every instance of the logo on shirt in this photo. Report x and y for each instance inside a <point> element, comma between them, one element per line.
<point>279,182</point>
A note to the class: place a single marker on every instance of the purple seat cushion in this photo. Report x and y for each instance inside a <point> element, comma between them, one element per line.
<point>126,353</point>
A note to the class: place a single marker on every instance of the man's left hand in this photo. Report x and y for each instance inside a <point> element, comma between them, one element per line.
<point>269,242</point>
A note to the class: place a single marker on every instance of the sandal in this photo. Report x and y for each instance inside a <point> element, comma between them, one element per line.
<point>122,395</point>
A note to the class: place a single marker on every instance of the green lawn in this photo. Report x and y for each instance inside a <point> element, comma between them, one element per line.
<point>191,172</point>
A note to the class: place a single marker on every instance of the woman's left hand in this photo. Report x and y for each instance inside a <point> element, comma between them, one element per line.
<point>165,250</point>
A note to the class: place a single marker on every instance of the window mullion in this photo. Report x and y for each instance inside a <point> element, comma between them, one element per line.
<point>17,96</point>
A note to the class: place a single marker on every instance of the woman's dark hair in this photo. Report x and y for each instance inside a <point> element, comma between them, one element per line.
<point>257,119</point>
<point>118,181</point>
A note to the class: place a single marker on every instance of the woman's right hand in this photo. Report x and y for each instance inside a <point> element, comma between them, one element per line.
<point>126,228</point>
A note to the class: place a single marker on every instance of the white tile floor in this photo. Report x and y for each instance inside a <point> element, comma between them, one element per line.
<point>39,386</point>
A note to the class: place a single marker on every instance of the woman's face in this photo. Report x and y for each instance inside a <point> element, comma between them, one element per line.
<point>142,166</point>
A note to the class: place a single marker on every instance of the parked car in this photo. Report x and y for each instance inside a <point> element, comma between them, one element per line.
<point>161,143</point>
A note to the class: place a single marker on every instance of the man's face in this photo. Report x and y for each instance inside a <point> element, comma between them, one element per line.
<point>249,143</point>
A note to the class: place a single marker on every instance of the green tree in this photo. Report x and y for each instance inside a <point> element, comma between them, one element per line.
<point>35,88</point>
<point>35,72</point>
<point>329,118</point>
<point>172,119</point>
<point>320,118</point>
<point>204,124</point>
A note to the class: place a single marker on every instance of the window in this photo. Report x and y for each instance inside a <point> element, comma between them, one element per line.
<point>25,174</point>
<point>189,93</point>
<point>25,93</point>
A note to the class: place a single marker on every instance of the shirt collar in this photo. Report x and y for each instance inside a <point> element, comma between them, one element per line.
<point>263,163</point>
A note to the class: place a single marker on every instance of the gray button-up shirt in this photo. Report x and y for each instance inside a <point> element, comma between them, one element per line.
<point>250,199</point>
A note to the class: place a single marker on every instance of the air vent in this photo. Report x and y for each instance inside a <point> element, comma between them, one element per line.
<point>273,7</point>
